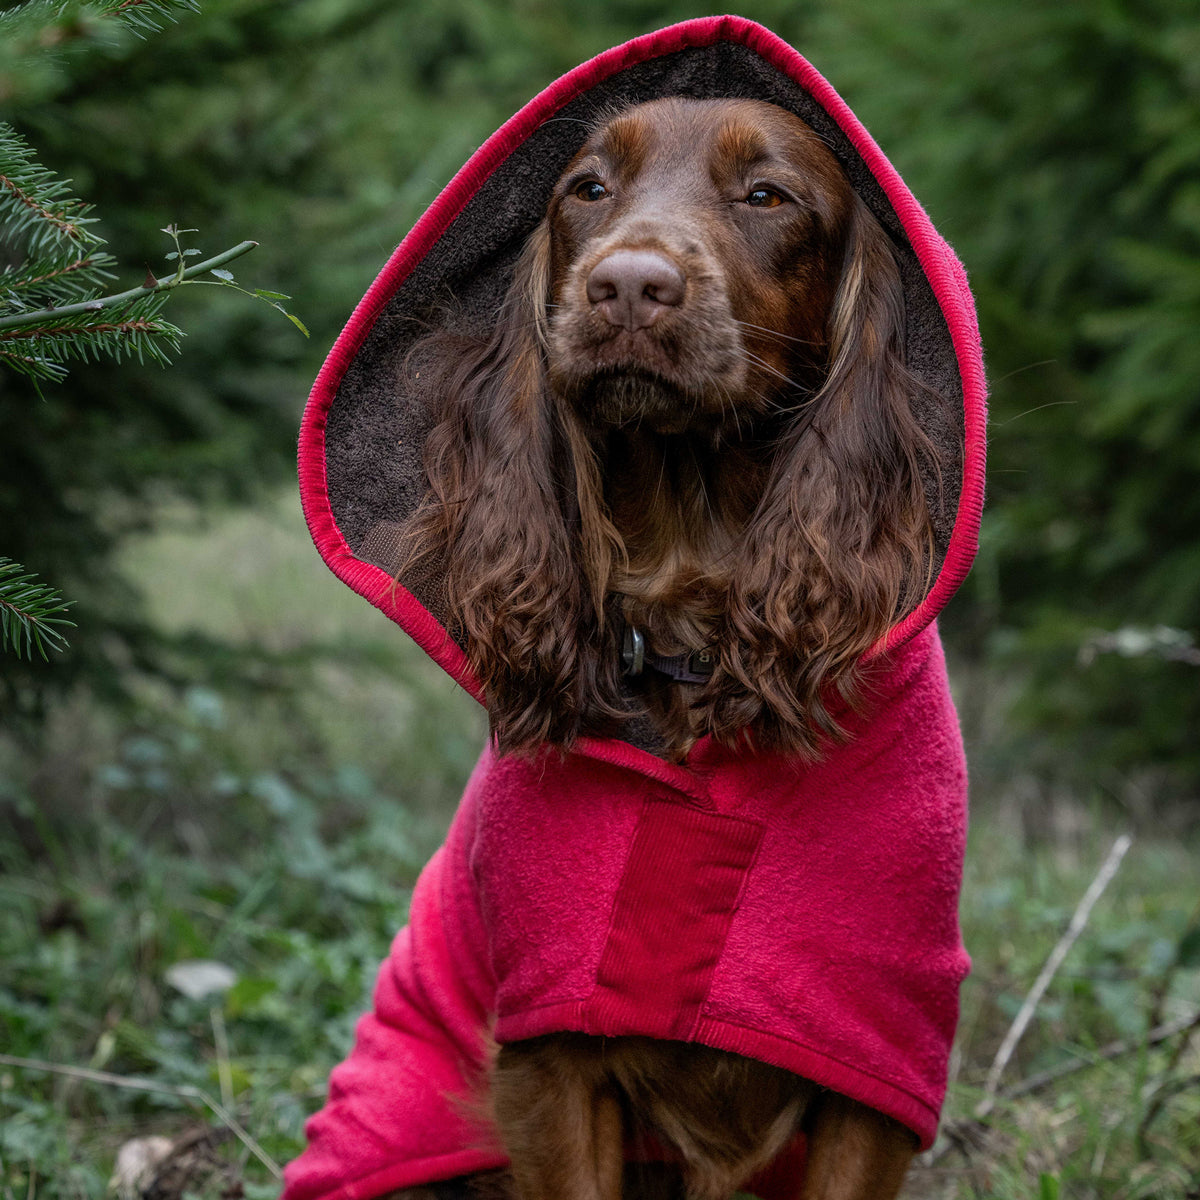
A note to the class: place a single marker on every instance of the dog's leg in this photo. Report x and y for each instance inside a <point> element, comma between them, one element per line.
<point>854,1152</point>
<point>560,1122</point>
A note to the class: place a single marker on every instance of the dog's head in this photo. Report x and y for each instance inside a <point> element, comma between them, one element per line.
<point>693,413</point>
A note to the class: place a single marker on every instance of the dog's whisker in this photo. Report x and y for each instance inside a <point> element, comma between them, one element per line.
<point>728,403</point>
<point>775,333</point>
<point>750,356</point>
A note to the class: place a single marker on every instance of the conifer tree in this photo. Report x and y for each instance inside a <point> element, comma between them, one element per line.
<point>56,302</point>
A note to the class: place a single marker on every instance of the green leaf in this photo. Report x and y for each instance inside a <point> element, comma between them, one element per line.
<point>270,295</point>
<point>221,273</point>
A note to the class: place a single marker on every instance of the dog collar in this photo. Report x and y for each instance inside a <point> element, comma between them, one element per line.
<point>695,666</point>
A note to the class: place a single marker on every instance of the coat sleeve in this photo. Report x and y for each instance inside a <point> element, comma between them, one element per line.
<point>403,1107</point>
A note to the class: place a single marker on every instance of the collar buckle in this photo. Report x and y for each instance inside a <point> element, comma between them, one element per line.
<point>695,666</point>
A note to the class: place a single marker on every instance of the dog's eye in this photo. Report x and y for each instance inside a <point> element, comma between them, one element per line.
<point>591,190</point>
<point>764,198</point>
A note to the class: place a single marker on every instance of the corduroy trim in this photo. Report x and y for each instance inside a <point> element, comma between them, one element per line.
<point>945,275</point>
<point>644,954</point>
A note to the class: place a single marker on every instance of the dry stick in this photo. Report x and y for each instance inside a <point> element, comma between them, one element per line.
<point>1025,1015</point>
<point>1160,1099</point>
<point>185,1091</point>
<point>1160,1033</point>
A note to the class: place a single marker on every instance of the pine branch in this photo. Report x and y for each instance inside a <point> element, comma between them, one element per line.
<point>43,351</point>
<point>28,30</point>
<point>49,272</point>
<point>45,229</point>
<point>53,293</point>
<point>151,287</point>
<point>39,343</point>
<point>61,279</point>
<point>29,612</point>
<point>52,308</point>
<point>40,39</point>
<point>38,215</point>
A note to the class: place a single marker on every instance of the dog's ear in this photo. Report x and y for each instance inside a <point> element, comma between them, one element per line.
<point>504,513</point>
<point>840,545</point>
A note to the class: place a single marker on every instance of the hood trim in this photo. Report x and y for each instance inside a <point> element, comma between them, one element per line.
<point>946,276</point>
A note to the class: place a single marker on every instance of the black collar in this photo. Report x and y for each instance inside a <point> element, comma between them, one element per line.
<point>695,666</point>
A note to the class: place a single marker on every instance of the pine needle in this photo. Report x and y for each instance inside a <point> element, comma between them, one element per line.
<point>29,612</point>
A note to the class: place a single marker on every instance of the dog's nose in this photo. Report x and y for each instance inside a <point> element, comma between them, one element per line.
<point>633,288</point>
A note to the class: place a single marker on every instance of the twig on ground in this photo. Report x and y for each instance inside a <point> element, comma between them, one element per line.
<point>967,1130</point>
<point>1057,955</point>
<point>184,1091</point>
<point>1165,1091</point>
<point>1161,1033</point>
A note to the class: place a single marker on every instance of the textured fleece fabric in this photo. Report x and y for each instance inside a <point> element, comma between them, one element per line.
<point>801,914</point>
<point>805,916</point>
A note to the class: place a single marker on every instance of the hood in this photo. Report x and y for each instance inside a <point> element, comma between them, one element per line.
<point>365,425</point>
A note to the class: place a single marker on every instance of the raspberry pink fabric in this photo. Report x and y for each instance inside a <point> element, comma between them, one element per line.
<point>802,914</point>
<point>805,916</point>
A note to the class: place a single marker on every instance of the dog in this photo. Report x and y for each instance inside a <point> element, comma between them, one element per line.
<point>680,489</point>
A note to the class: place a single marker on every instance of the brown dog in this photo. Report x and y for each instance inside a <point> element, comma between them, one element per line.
<point>690,435</point>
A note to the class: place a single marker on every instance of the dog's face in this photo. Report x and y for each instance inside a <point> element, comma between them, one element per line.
<point>695,251</point>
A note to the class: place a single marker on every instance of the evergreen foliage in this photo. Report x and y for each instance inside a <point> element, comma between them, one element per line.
<point>30,612</point>
<point>1058,147</point>
<point>49,306</point>
<point>54,268</point>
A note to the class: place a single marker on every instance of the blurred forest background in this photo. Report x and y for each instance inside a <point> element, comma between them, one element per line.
<point>238,761</point>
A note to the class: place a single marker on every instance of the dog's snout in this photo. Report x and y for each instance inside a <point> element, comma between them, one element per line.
<point>632,288</point>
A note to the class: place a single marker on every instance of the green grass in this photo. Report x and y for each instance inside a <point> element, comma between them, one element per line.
<point>1097,1131</point>
<point>279,833</point>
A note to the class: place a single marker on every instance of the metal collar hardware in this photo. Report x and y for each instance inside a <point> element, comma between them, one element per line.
<point>695,666</point>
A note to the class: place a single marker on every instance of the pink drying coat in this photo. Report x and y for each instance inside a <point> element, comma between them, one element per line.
<point>802,914</point>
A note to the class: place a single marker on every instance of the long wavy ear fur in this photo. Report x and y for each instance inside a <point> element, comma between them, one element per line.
<point>514,510</point>
<point>841,543</point>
